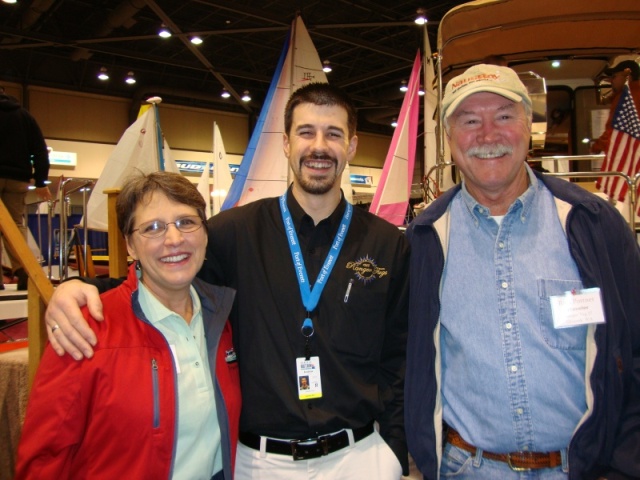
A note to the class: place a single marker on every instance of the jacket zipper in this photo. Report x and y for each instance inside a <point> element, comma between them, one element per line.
<point>156,394</point>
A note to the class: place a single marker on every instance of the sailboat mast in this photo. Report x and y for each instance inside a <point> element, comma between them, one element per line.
<point>215,203</point>
<point>159,138</point>
<point>292,72</point>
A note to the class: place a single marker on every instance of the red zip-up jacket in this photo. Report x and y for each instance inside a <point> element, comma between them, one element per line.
<point>115,415</point>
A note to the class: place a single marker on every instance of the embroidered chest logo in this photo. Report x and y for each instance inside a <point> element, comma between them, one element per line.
<point>366,269</point>
<point>230,355</point>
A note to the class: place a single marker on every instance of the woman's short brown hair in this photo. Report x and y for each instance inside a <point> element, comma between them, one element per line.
<point>138,189</point>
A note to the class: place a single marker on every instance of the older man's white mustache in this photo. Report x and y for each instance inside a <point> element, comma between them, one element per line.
<point>490,151</point>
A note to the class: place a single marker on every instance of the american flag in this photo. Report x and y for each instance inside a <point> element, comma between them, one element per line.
<point>623,154</point>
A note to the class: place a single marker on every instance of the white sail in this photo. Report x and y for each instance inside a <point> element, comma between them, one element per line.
<point>141,148</point>
<point>204,188</point>
<point>264,171</point>
<point>221,176</point>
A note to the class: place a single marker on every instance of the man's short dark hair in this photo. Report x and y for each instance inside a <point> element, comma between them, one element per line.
<point>321,94</point>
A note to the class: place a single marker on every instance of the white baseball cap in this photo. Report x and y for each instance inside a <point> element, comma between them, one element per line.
<point>483,78</point>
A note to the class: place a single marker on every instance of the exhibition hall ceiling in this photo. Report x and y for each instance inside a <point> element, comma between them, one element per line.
<point>370,45</point>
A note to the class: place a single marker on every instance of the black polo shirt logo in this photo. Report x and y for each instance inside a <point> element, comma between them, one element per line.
<point>366,269</point>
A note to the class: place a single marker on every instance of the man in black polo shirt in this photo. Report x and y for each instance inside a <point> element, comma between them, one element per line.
<point>321,292</point>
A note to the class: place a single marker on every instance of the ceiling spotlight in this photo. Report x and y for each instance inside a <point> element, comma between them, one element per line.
<point>421,19</point>
<point>164,31</point>
<point>225,93</point>
<point>102,74</point>
<point>9,1</point>
<point>246,97</point>
<point>394,122</point>
<point>196,40</point>
<point>326,66</point>
<point>130,79</point>
<point>555,63</point>
<point>421,91</point>
<point>403,86</point>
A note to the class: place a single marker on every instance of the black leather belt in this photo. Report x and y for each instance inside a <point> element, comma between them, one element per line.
<point>310,447</point>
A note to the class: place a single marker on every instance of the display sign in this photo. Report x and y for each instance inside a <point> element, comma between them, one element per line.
<point>195,167</point>
<point>63,159</point>
<point>364,180</point>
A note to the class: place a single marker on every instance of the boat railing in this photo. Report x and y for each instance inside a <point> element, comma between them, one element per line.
<point>65,189</point>
<point>39,289</point>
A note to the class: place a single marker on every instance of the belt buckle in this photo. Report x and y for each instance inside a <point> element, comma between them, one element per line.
<point>513,467</point>
<point>294,450</point>
<point>323,441</point>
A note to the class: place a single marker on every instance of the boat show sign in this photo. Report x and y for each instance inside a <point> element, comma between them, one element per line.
<point>365,180</point>
<point>195,167</point>
<point>63,159</point>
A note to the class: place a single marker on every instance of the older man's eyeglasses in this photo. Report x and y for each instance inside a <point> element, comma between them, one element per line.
<point>157,228</point>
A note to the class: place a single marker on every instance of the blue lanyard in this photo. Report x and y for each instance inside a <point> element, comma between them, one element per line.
<point>311,297</point>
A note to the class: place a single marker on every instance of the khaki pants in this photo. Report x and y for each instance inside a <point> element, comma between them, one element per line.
<point>369,459</point>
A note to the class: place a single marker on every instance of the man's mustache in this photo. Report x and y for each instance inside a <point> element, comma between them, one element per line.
<point>488,151</point>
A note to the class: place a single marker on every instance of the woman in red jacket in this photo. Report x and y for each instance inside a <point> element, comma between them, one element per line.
<point>161,396</point>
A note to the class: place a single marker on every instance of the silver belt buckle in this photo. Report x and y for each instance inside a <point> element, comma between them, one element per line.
<point>294,450</point>
<point>324,443</point>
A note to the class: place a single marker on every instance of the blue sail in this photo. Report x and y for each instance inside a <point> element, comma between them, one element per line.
<point>237,187</point>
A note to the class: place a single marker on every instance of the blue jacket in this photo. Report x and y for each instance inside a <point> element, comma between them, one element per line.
<point>607,440</point>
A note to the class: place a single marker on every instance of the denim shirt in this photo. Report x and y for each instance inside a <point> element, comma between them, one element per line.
<point>510,381</point>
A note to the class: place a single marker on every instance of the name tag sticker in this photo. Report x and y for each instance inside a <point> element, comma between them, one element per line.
<point>309,384</point>
<point>575,308</point>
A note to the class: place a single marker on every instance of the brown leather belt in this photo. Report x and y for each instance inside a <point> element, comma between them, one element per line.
<point>516,460</point>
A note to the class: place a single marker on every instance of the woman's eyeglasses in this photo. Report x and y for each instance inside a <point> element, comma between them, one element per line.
<point>157,228</point>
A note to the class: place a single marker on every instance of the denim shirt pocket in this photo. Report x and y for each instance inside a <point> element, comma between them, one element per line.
<point>572,338</point>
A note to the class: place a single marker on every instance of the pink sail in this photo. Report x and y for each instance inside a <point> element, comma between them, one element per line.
<point>391,199</point>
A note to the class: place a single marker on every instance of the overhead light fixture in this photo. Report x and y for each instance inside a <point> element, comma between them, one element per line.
<point>421,91</point>
<point>103,74</point>
<point>403,86</point>
<point>326,66</point>
<point>225,93</point>
<point>164,31</point>
<point>10,1</point>
<point>555,63</point>
<point>394,122</point>
<point>246,97</point>
<point>196,40</point>
<point>130,78</point>
<point>421,19</point>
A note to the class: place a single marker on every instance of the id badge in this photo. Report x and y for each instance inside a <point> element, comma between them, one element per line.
<point>309,383</point>
<point>577,307</point>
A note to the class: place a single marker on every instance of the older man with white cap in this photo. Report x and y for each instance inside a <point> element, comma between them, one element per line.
<point>523,357</point>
